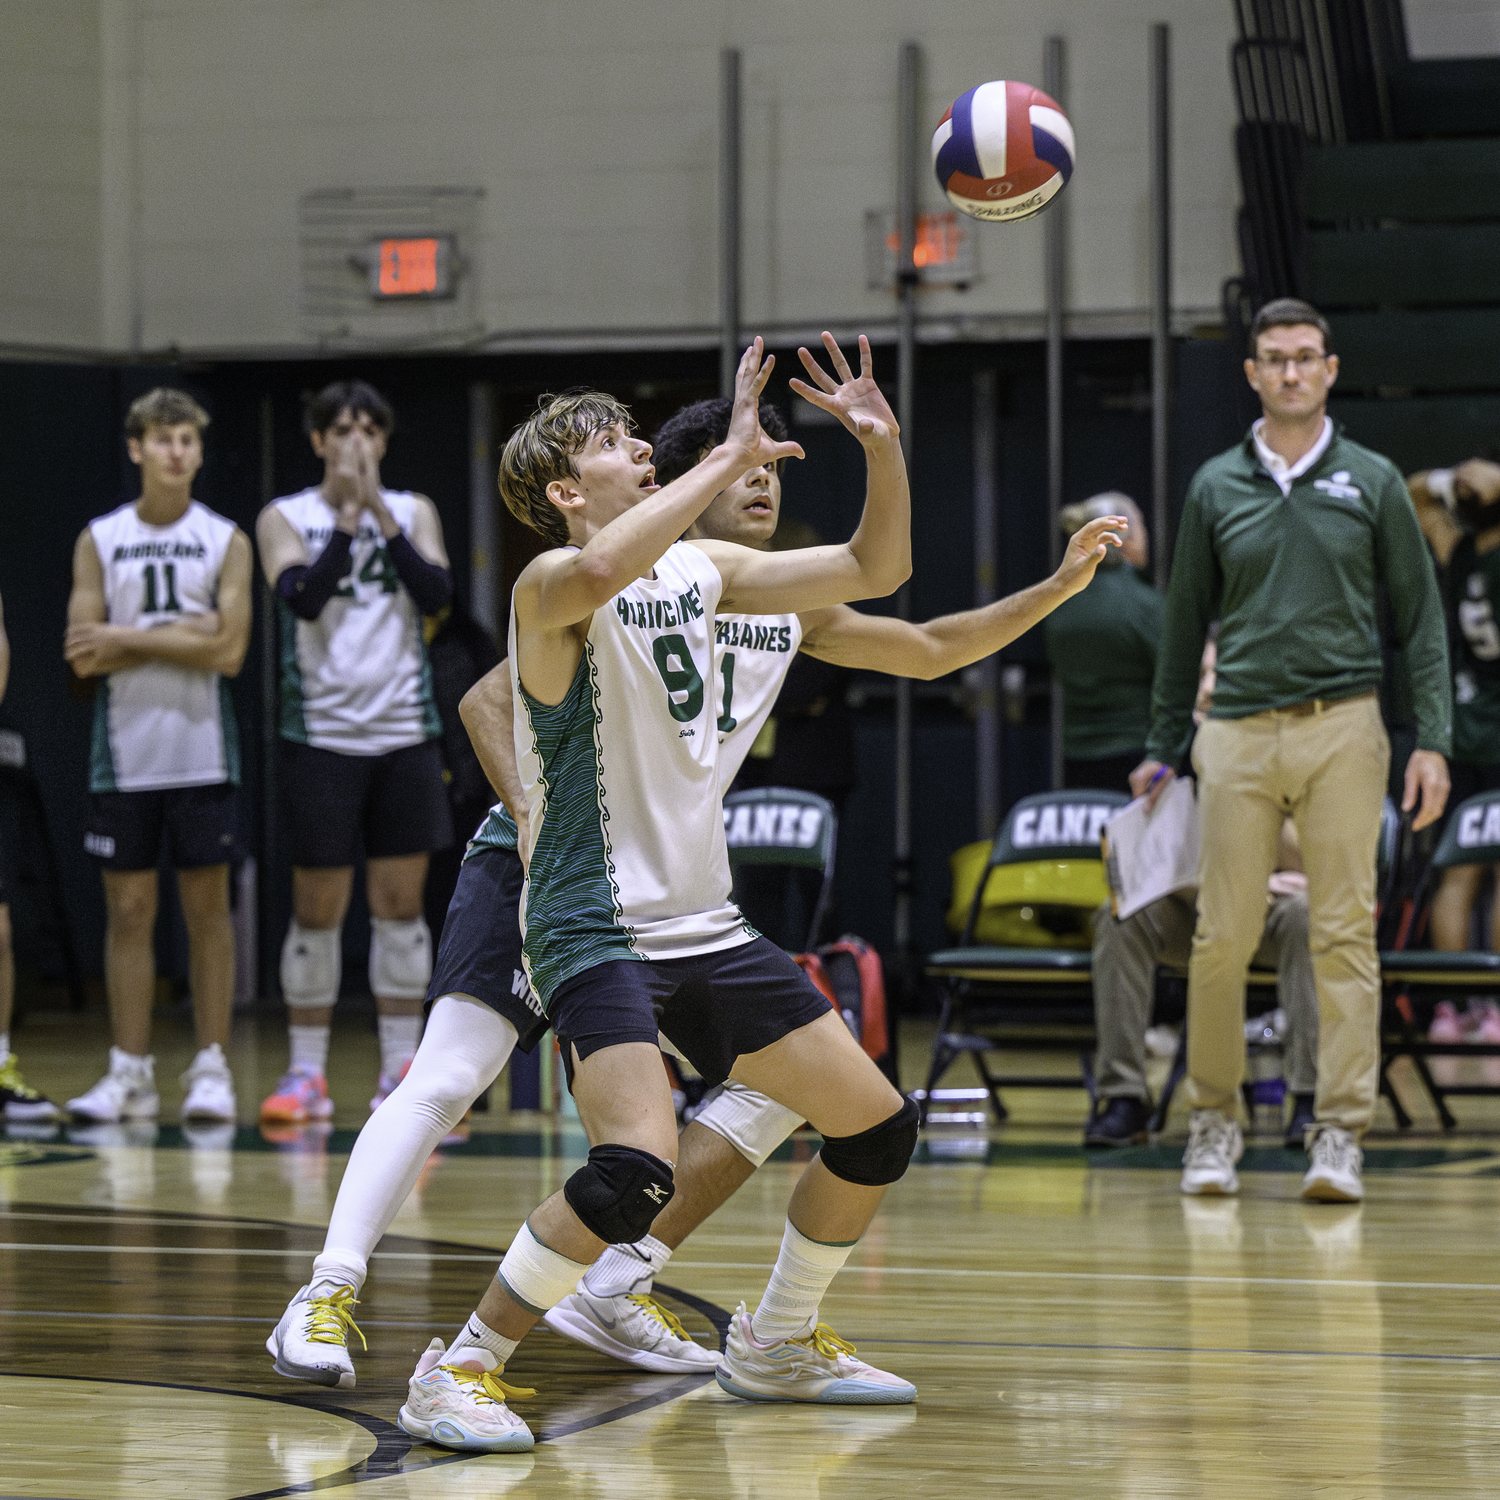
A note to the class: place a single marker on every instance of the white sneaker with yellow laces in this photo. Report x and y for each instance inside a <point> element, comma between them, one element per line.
<point>311,1342</point>
<point>816,1366</point>
<point>634,1328</point>
<point>461,1403</point>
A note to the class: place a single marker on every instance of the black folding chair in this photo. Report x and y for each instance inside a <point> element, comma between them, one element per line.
<point>777,827</point>
<point>1022,999</point>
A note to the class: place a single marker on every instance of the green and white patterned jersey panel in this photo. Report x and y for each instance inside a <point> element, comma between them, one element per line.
<point>498,831</point>
<point>645,840</point>
<point>752,655</point>
<point>159,725</point>
<point>356,679</point>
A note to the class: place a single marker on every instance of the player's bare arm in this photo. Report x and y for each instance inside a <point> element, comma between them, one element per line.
<point>488,712</point>
<point>86,604</point>
<point>627,524</point>
<point>880,643</point>
<point>876,560</point>
<point>211,643</point>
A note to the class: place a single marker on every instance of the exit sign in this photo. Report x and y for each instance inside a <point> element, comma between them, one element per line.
<point>403,268</point>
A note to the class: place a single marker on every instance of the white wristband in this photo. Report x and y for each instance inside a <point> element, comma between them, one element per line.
<point>1440,485</point>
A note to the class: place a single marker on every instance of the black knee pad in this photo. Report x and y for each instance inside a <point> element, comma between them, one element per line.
<point>619,1193</point>
<point>875,1156</point>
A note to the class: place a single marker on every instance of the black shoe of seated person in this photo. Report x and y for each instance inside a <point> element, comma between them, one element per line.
<point>1119,1121</point>
<point>1304,1116</point>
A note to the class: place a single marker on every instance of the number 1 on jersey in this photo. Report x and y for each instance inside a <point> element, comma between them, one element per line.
<point>169,576</point>
<point>727,720</point>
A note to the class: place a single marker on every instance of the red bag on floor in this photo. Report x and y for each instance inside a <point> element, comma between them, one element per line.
<point>849,973</point>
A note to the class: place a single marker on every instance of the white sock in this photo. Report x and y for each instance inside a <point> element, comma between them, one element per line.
<point>800,1277</point>
<point>463,1051</point>
<point>309,1047</point>
<point>4,1046</point>
<point>331,1270</point>
<point>475,1334</point>
<point>623,1269</point>
<point>399,1036</point>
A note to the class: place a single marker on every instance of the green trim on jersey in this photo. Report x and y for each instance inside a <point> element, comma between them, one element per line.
<point>432,724</point>
<point>229,728</point>
<point>101,756</point>
<point>293,722</point>
<point>498,831</point>
<point>574,920</point>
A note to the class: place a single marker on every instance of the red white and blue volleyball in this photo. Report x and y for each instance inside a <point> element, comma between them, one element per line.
<point>1003,152</point>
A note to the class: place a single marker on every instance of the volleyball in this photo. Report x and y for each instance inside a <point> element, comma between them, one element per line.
<point>1003,151</point>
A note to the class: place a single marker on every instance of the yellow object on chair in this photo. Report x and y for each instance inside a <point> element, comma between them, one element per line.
<point>1043,903</point>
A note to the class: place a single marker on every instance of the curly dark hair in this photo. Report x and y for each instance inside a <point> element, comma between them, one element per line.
<point>321,411</point>
<point>685,438</point>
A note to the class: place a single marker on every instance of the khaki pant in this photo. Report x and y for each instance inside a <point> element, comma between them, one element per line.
<point>1126,955</point>
<point>1328,771</point>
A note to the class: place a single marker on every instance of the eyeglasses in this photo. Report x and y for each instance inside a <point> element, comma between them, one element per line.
<point>1305,362</point>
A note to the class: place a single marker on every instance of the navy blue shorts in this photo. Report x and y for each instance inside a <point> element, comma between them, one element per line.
<point>479,953</point>
<point>714,1007</point>
<point>195,824</point>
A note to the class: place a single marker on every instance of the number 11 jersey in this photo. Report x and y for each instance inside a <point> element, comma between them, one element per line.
<point>159,725</point>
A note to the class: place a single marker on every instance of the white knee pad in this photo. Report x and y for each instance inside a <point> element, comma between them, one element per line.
<point>310,966</point>
<point>400,958</point>
<point>753,1124</point>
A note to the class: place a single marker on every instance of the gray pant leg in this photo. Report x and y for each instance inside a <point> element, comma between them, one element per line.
<point>1125,958</point>
<point>1284,948</point>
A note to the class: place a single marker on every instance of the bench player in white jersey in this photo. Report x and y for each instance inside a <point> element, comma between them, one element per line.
<point>355,567</point>
<point>480,1001</point>
<point>160,614</point>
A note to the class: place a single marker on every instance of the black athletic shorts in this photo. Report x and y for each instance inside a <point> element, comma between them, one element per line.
<point>714,1007</point>
<point>197,823</point>
<point>479,953</point>
<point>396,803</point>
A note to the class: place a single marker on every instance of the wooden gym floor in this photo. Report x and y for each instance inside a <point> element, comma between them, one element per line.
<point>1075,1327</point>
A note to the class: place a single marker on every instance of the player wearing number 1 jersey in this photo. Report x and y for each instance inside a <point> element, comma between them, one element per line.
<point>160,615</point>
<point>355,567</point>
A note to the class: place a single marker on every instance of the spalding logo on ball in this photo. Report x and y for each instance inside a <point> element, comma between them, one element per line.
<point>1003,152</point>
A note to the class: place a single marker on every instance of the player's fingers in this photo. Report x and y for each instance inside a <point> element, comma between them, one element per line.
<point>825,380</point>
<point>866,366</point>
<point>784,450</point>
<point>812,394</point>
<point>840,364</point>
<point>759,383</point>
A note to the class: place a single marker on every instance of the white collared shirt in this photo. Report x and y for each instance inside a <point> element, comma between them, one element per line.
<point>1278,468</point>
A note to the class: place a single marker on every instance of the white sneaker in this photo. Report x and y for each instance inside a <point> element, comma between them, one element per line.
<point>210,1087</point>
<point>126,1092</point>
<point>462,1405</point>
<point>311,1342</point>
<point>1214,1146</point>
<point>816,1366</point>
<point>633,1327</point>
<point>1336,1162</point>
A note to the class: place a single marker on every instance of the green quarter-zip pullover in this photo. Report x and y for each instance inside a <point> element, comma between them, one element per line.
<point>1293,580</point>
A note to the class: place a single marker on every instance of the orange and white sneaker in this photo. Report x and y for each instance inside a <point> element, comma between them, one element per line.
<point>461,1404</point>
<point>388,1084</point>
<point>816,1366</point>
<point>299,1097</point>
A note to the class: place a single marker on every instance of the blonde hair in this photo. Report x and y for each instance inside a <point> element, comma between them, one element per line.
<point>163,407</point>
<point>543,448</point>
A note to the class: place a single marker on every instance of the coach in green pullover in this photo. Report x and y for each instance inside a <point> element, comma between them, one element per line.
<point>1287,539</point>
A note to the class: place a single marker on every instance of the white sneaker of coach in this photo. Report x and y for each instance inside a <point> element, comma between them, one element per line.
<point>461,1404</point>
<point>633,1327</point>
<point>210,1087</point>
<point>1214,1146</point>
<point>1334,1176</point>
<point>311,1342</point>
<point>816,1366</point>
<point>126,1092</point>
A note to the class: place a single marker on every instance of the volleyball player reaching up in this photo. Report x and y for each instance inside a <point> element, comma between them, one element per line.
<point>355,567</point>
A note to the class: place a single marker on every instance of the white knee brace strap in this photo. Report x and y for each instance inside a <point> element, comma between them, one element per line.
<point>753,1124</point>
<point>538,1278</point>
<point>400,958</point>
<point>310,967</point>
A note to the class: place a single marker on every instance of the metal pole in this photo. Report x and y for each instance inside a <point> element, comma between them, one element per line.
<point>270,872</point>
<point>485,562</point>
<point>729,218</point>
<point>1056,256</point>
<point>906,363</point>
<point>986,672</point>
<point>1161,297</point>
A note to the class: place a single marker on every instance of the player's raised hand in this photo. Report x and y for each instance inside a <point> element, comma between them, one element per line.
<point>745,430</point>
<point>1087,548</point>
<point>854,399</point>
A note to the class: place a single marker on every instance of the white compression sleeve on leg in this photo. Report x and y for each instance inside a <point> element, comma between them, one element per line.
<point>753,1124</point>
<point>310,966</point>
<point>400,958</point>
<point>800,1277</point>
<point>463,1050</point>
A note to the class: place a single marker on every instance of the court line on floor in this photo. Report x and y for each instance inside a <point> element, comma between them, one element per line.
<point>493,1256</point>
<point>1471,1359</point>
